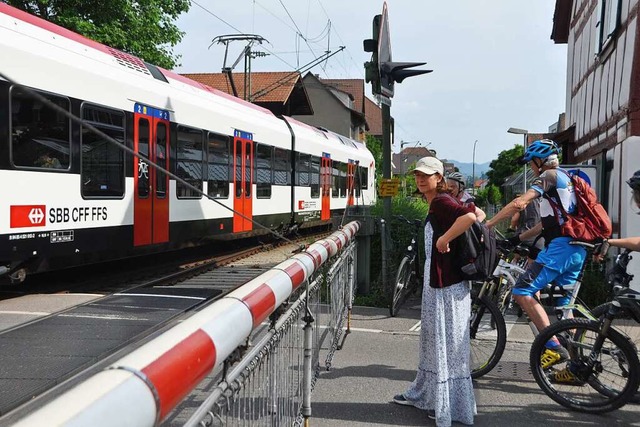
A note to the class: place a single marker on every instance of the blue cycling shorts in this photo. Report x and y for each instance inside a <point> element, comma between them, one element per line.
<point>559,262</point>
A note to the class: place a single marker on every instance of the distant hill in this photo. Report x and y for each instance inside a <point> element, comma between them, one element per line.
<point>467,168</point>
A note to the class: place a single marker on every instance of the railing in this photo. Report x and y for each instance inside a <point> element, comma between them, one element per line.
<point>271,385</point>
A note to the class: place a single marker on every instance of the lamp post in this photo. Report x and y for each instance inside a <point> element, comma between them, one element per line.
<point>524,132</point>
<point>473,169</point>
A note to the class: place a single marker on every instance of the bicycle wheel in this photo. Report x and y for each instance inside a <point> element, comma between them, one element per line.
<point>403,284</point>
<point>488,334</point>
<point>609,385</point>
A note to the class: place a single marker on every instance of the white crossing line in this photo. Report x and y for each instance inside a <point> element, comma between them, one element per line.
<point>160,296</point>
<point>30,313</point>
<point>104,316</point>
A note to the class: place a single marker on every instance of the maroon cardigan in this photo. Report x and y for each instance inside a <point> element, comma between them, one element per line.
<point>443,212</point>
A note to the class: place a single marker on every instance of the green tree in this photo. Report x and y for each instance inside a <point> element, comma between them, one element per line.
<point>142,28</point>
<point>505,165</point>
<point>493,194</point>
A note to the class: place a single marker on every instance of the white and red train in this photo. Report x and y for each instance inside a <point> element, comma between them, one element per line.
<point>69,196</point>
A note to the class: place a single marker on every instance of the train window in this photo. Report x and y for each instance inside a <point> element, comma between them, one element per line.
<point>335,180</point>
<point>189,162</point>
<point>40,135</point>
<point>161,159</point>
<point>343,180</point>
<point>144,135</point>
<point>357,181</point>
<point>218,156</point>
<point>315,177</point>
<point>364,177</point>
<point>302,169</point>
<point>262,170</point>
<point>281,167</point>
<point>102,167</point>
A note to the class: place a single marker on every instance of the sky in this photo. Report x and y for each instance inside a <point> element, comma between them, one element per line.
<point>494,64</point>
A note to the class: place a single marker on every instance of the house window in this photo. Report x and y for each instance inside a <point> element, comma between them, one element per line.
<point>608,21</point>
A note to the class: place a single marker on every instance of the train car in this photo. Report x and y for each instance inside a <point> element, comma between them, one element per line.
<point>71,196</point>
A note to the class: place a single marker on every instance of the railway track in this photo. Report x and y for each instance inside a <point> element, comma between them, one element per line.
<point>51,341</point>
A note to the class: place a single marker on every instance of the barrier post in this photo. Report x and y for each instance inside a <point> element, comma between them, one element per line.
<point>308,357</point>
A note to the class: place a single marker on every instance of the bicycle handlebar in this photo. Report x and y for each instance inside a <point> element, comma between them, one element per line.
<point>585,245</point>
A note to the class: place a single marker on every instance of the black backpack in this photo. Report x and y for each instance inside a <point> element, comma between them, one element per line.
<point>474,252</point>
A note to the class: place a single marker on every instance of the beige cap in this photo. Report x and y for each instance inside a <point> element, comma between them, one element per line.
<point>429,165</point>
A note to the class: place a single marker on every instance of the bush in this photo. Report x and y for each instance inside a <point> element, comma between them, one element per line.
<point>400,232</point>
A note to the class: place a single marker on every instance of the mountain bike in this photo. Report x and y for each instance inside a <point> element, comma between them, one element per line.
<point>488,327</point>
<point>603,370</point>
<point>488,330</point>
<point>410,276</point>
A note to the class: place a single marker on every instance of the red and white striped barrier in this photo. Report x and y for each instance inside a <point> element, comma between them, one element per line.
<point>143,387</point>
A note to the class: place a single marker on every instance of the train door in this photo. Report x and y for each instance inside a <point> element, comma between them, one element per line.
<point>242,182</point>
<point>351,173</point>
<point>151,187</point>
<point>325,186</point>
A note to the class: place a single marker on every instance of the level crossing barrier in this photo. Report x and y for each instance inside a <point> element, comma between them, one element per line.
<point>142,388</point>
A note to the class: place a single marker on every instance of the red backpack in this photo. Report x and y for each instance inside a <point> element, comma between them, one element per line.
<point>590,220</point>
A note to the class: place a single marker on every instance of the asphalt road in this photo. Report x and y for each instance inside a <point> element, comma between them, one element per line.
<point>379,358</point>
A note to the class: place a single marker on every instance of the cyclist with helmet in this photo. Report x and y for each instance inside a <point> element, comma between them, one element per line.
<point>559,261</point>
<point>632,243</point>
<point>456,183</point>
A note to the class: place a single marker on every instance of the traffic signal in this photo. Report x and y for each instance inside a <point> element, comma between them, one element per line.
<point>381,71</point>
<point>396,72</point>
<point>372,68</point>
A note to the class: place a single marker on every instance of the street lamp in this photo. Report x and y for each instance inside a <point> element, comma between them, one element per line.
<point>524,132</point>
<point>473,169</point>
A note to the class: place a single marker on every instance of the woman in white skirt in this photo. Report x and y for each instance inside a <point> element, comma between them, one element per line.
<point>443,386</point>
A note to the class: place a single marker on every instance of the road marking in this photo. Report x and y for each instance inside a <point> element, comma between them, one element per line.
<point>161,296</point>
<point>31,313</point>
<point>415,327</point>
<point>104,316</point>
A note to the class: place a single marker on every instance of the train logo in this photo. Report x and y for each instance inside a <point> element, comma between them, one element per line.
<point>28,216</point>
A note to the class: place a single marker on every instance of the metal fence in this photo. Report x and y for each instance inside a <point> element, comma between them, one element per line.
<point>272,383</point>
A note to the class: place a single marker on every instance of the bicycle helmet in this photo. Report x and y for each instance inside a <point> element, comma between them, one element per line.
<point>458,177</point>
<point>540,149</point>
<point>634,181</point>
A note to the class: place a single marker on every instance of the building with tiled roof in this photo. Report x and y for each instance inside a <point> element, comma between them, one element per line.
<point>334,108</point>
<point>354,87</point>
<point>371,110</point>
<point>403,161</point>
<point>373,114</point>
<point>283,93</point>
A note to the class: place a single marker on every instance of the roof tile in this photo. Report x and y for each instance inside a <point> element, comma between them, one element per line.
<point>265,86</point>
